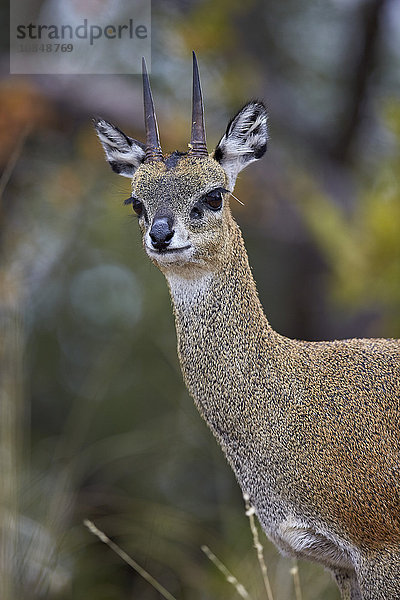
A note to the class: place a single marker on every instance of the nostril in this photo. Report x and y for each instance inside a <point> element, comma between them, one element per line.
<point>161,239</point>
<point>169,236</point>
<point>160,244</point>
<point>153,236</point>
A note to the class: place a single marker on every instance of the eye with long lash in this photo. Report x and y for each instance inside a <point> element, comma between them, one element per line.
<point>137,204</point>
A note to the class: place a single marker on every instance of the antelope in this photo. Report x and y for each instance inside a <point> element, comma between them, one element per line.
<point>310,429</point>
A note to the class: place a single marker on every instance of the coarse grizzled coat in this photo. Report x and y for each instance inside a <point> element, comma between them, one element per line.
<point>311,429</point>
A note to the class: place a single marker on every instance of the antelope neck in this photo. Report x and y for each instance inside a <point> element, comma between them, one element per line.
<point>223,338</point>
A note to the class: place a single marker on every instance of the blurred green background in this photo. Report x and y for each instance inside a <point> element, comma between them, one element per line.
<point>95,421</point>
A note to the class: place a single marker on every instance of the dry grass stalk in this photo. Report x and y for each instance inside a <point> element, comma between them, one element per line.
<point>258,546</point>
<point>129,561</point>
<point>294,571</point>
<point>16,153</point>
<point>240,589</point>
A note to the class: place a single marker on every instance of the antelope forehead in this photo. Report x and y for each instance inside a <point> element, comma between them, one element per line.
<point>189,178</point>
<point>201,167</point>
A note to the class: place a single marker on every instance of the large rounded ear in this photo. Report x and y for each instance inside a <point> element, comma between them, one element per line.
<point>244,141</point>
<point>122,152</point>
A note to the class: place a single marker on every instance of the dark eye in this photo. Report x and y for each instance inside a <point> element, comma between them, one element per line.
<point>137,206</point>
<point>213,199</point>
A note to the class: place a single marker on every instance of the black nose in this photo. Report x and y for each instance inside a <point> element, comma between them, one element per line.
<point>161,232</point>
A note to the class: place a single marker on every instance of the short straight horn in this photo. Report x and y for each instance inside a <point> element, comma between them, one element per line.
<point>197,146</point>
<point>153,147</point>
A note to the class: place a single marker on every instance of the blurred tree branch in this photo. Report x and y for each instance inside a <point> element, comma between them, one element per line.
<point>358,77</point>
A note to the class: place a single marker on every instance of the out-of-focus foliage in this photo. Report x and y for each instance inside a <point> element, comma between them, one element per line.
<point>94,418</point>
<point>362,245</point>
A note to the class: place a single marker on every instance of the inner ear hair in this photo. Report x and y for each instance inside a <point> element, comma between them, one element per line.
<point>244,141</point>
<point>123,153</point>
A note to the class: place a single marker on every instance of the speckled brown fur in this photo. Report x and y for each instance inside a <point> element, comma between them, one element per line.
<point>311,429</point>
<point>318,407</point>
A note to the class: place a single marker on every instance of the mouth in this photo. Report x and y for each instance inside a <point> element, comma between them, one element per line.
<point>168,254</point>
<point>172,250</point>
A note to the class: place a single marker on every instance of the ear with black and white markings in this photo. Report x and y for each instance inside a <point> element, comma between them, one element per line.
<point>244,141</point>
<point>123,153</point>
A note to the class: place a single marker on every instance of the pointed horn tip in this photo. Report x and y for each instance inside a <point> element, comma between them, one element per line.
<point>195,64</point>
